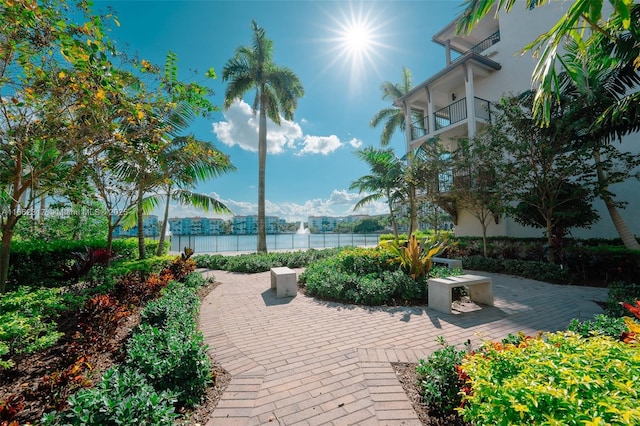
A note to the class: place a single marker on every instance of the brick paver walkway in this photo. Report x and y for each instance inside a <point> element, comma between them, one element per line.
<point>301,361</point>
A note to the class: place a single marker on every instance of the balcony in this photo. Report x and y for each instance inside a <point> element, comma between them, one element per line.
<point>419,129</point>
<point>486,43</point>
<point>457,111</point>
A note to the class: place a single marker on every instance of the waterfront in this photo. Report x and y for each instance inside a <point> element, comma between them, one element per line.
<point>238,243</point>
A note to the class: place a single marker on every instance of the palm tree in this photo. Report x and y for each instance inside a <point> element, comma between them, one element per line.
<point>617,37</point>
<point>184,162</point>
<point>393,117</point>
<point>593,82</point>
<point>277,90</point>
<point>384,181</point>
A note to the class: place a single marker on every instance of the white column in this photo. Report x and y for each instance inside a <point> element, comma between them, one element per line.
<point>430,116</point>
<point>470,93</point>
<point>407,124</point>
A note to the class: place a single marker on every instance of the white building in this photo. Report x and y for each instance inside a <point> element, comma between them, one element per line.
<point>479,69</point>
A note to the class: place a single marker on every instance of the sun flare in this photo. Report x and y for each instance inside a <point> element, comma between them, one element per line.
<point>355,40</point>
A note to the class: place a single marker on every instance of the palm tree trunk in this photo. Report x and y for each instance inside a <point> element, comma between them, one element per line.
<point>163,231</point>
<point>628,239</point>
<point>262,160</point>
<point>413,210</point>
<point>141,247</point>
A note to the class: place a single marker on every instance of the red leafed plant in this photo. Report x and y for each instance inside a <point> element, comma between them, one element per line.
<point>9,407</point>
<point>635,310</point>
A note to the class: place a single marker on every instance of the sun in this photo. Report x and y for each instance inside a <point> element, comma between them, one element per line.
<point>355,40</point>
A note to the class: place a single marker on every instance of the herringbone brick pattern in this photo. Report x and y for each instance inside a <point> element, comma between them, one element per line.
<point>301,361</point>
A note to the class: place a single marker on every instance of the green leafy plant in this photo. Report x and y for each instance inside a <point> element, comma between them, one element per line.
<point>123,397</point>
<point>562,379</point>
<point>599,325</point>
<point>416,257</point>
<point>438,378</point>
<point>172,359</point>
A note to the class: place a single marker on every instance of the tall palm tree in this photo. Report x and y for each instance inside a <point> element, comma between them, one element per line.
<point>384,181</point>
<point>393,117</point>
<point>184,162</point>
<point>277,90</point>
<point>595,83</point>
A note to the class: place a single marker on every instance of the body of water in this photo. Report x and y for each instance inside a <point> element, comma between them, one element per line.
<point>232,243</point>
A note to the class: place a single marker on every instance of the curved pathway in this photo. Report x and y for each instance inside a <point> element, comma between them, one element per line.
<point>300,361</point>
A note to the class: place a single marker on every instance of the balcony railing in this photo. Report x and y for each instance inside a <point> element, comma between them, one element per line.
<point>486,43</point>
<point>457,111</point>
<point>419,129</point>
<point>451,114</point>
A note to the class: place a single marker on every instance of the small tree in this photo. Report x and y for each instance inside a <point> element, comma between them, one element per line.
<point>475,185</point>
<point>539,162</point>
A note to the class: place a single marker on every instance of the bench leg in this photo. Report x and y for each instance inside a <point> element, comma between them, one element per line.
<point>482,293</point>
<point>440,298</point>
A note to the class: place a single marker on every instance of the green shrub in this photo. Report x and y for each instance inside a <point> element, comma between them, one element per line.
<point>540,271</point>
<point>177,306</point>
<point>123,397</point>
<point>252,263</point>
<point>145,267</point>
<point>172,359</point>
<point>564,380</point>
<point>28,320</point>
<point>211,261</point>
<point>194,280</point>
<point>600,324</point>
<point>621,292</point>
<point>168,350</point>
<point>438,379</point>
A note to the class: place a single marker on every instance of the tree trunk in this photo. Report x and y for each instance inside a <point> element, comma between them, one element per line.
<point>141,248</point>
<point>628,239</point>
<point>163,231</point>
<point>110,227</point>
<point>262,160</point>
<point>551,256</point>
<point>413,211</point>
<point>5,251</point>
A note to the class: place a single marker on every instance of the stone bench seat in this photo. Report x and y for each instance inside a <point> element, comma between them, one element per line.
<point>451,263</point>
<point>480,290</point>
<point>283,279</point>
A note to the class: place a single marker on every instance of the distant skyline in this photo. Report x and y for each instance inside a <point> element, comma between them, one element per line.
<point>341,51</point>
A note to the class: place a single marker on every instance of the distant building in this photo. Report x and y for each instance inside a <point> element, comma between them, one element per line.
<point>150,228</point>
<point>196,226</point>
<point>248,225</point>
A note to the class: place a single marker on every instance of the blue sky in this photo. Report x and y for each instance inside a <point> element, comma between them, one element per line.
<point>310,164</point>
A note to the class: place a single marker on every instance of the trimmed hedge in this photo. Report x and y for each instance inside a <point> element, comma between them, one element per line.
<point>39,263</point>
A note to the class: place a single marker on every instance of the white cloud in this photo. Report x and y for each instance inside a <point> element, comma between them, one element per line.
<point>339,203</point>
<point>320,144</point>
<point>356,143</point>
<point>240,127</point>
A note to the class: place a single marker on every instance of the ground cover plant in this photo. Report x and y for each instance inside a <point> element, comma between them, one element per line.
<point>58,341</point>
<point>585,375</point>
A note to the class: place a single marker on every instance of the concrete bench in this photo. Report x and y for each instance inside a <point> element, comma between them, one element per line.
<point>284,281</point>
<point>451,263</point>
<point>480,290</point>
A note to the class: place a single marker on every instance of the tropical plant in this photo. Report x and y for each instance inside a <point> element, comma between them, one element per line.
<point>597,84</point>
<point>383,181</point>
<point>616,40</point>
<point>277,90</point>
<point>60,94</point>
<point>184,162</point>
<point>416,257</point>
<point>393,117</point>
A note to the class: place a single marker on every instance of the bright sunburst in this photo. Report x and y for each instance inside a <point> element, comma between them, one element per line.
<point>355,40</point>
